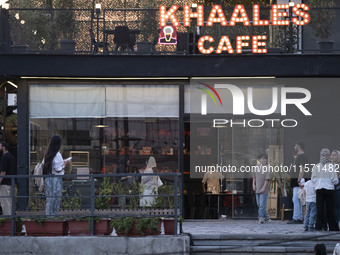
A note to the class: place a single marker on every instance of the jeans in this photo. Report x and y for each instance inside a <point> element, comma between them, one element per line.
<point>261,200</point>
<point>6,200</point>
<point>336,196</point>
<point>310,215</point>
<point>53,191</point>
<point>297,213</point>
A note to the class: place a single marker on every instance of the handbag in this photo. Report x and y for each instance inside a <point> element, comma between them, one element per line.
<point>39,181</point>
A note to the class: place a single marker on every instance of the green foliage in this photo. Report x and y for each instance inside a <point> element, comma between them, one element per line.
<point>122,225</point>
<point>18,222</point>
<point>146,224</point>
<point>322,19</point>
<point>135,188</point>
<point>149,25</point>
<point>65,18</point>
<point>105,191</point>
<point>166,202</point>
<point>70,202</point>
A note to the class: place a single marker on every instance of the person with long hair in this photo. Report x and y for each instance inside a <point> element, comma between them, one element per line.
<point>54,164</point>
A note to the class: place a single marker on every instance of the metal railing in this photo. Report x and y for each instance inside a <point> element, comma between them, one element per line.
<point>93,193</point>
<point>40,30</point>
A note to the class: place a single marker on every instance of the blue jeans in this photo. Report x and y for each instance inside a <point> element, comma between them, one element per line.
<point>261,200</point>
<point>53,191</point>
<point>336,196</point>
<point>310,215</point>
<point>297,213</point>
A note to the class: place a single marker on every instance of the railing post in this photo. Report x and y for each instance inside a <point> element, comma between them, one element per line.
<point>13,205</point>
<point>175,198</point>
<point>92,204</point>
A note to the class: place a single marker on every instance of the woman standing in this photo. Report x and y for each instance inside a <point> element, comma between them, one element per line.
<point>336,164</point>
<point>54,164</point>
<point>324,179</point>
<point>149,183</point>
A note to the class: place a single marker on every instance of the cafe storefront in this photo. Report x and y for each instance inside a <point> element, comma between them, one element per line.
<point>115,126</point>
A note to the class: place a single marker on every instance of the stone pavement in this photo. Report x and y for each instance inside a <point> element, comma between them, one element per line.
<point>230,226</point>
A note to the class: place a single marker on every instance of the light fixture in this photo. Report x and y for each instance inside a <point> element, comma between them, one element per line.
<point>101,126</point>
<point>98,8</point>
<point>291,4</point>
<point>5,6</point>
<point>13,84</point>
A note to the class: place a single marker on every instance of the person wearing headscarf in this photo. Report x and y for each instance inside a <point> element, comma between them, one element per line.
<point>335,157</point>
<point>324,178</point>
<point>150,183</point>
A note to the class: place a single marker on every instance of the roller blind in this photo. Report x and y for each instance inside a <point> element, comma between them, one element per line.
<point>61,101</point>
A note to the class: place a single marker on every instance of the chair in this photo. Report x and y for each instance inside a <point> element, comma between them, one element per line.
<point>122,38</point>
<point>97,44</point>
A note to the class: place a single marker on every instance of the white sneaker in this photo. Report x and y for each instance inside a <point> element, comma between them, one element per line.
<point>267,219</point>
<point>261,220</point>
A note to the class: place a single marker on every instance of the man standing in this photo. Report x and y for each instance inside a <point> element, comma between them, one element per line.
<point>7,167</point>
<point>261,186</point>
<point>300,163</point>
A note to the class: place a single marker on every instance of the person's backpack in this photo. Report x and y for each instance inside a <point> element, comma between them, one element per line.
<point>39,181</point>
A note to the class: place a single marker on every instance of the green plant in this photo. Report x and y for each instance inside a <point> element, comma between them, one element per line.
<point>70,202</point>
<point>105,191</point>
<point>18,222</point>
<point>146,224</point>
<point>122,224</point>
<point>322,19</point>
<point>135,188</point>
<point>65,19</point>
<point>149,24</point>
<point>165,202</point>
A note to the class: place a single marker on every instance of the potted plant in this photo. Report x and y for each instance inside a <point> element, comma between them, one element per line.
<point>82,226</point>
<point>167,202</point>
<point>128,226</point>
<point>46,226</point>
<point>65,23</point>
<point>6,226</point>
<point>148,27</point>
<point>322,21</point>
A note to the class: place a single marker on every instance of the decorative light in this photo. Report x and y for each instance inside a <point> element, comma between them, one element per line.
<point>164,15</point>
<point>239,10</point>
<point>240,44</point>
<point>201,44</point>
<point>212,16</point>
<point>256,44</point>
<point>256,17</point>
<point>298,10</point>
<point>276,14</point>
<point>22,22</point>
<point>188,14</point>
<point>224,45</point>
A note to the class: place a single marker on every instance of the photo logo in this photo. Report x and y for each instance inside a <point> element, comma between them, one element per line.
<point>238,99</point>
<point>204,97</point>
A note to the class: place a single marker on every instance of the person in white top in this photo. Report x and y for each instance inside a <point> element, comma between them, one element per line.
<point>310,216</point>
<point>150,183</point>
<point>53,164</point>
<point>324,178</point>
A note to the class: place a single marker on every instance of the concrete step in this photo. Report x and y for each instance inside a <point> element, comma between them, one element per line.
<point>262,244</point>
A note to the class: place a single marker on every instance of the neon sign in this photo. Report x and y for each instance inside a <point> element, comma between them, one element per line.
<point>279,17</point>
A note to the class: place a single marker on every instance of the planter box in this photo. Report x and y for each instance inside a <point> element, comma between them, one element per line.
<point>5,228</point>
<point>82,227</point>
<point>147,232</point>
<point>169,226</point>
<point>47,228</point>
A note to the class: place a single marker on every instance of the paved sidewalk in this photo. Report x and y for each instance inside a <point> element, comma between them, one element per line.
<point>230,227</point>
